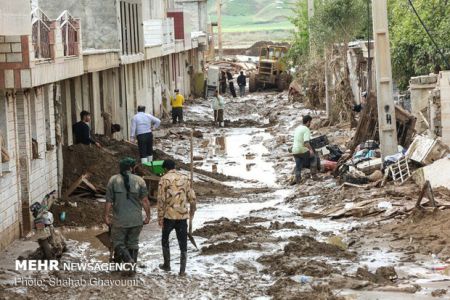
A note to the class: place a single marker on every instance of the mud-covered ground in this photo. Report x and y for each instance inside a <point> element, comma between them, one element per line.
<point>258,237</point>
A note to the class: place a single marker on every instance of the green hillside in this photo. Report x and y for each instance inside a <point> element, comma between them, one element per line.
<point>253,15</point>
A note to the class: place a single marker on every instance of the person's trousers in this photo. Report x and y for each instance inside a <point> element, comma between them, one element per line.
<point>218,115</point>
<point>223,87</point>
<point>242,90</point>
<point>145,144</point>
<point>177,115</point>
<point>125,237</point>
<point>180,227</point>
<point>305,160</point>
<point>232,90</point>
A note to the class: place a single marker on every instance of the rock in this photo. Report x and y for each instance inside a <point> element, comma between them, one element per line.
<point>223,236</point>
<point>198,134</point>
<point>245,266</point>
<point>439,293</point>
<point>375,176</point>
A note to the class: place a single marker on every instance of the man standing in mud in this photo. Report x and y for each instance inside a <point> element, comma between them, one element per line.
<point>126,194</point>
<point>242,82</point>
<point>177,103</point>
<point>141,129</point>
<point>218,105</point>
<point>304,154</point>
<point>231,83</point>
<point>174,194</point>
<point>82,130</point>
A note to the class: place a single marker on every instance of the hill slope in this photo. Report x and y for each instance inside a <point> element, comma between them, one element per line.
<point>262,17</point>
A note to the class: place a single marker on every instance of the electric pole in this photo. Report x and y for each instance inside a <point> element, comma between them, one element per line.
<point>310,16</point>
<point>219,27</point>
<point>387,126</point>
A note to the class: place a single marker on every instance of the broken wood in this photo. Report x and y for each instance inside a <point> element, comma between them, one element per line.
<point>428,192</point>
<point>75,184</point>
<point>5,156</point>
<point>89,185</point>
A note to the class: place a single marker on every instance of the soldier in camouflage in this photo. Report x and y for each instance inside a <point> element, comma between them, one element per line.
<point>126,194</point>
<point>174,194</point>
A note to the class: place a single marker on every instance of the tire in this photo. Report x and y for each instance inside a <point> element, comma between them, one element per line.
<point>283,82</point>
<point>252,83</point>
<point>46,249</point>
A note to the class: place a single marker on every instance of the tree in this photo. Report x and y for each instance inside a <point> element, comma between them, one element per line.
<point>413,52</point>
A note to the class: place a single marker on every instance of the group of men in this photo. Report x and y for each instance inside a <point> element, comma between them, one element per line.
<point>127,195</point>
<point>241,81</point>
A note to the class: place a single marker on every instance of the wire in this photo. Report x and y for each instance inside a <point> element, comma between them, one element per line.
<point>429,34</point>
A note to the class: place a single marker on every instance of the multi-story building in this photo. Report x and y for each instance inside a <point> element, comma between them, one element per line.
<point>58,58</point>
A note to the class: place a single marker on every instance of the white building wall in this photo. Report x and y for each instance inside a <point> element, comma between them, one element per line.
<point>9,182</point>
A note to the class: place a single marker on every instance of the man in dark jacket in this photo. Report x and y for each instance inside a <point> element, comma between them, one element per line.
<point>82,130</point>
<point>231,83</point>
<point>223,82</point>
<point>242,82</point>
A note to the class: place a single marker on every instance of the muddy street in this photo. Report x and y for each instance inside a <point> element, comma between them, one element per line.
<point>259,237</point>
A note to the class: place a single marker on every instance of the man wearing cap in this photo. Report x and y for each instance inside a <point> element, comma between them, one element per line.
<point>177,107</point>
<point>126,194</point>
<point>174,194</point>
<point>141,129</point>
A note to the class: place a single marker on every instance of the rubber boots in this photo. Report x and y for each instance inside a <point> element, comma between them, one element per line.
<point>124,255</point>
<point>183,259</point>
<point>166,265</point>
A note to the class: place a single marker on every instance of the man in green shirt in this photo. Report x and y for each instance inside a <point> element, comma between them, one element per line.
<point>126,194</point>
<point>304,154</point>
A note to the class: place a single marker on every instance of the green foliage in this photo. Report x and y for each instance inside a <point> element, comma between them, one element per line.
<point>300,46</point>
<point>334,21</point>
<point>412,51</point>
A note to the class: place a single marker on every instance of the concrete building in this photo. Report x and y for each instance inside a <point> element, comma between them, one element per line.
<point>106,57</point>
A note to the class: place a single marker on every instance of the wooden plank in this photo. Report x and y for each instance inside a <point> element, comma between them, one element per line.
<point>74,185</point>
<point>89,185</point>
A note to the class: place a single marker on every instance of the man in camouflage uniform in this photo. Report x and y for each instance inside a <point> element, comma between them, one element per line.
<point>174,194</point>
<point>126,194</point>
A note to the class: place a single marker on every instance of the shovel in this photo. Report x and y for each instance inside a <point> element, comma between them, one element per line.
<point>191,238</point>
<point>105,239</point>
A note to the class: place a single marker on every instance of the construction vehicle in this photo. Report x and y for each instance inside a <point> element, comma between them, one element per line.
<point>272,70</point>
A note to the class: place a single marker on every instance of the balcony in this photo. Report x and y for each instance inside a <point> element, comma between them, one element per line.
<point>159,37</point>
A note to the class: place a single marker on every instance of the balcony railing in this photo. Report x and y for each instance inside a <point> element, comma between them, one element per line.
<point>69,32</point>
<point>40,34</point>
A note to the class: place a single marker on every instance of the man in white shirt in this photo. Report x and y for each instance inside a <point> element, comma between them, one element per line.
<point>141,129</point>
<point>218,105</point>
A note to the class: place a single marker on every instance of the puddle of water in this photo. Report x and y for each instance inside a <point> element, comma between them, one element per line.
<point>240,153</point>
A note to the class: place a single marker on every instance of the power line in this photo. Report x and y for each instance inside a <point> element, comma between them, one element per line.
<point>429,34</point>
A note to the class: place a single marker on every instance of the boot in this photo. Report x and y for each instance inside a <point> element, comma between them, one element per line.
<point>124,255</point>
<point>150,158</point>
<point>144,160</point>
<point>183,259</point>
<point>166,265</point>
<point>134,256</point>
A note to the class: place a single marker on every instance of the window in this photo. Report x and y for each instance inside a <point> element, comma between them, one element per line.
<point>130,28</point>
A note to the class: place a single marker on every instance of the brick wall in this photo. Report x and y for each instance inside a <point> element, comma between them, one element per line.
<point>14,61</point>
<point>9,184</point>
<point>24,183</point>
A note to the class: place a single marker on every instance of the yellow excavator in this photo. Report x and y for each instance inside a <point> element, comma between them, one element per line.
<point>272,70</point>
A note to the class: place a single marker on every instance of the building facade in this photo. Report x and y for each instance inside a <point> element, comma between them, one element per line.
<point>106,57</point>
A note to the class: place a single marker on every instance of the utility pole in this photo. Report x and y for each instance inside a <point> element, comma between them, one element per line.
<point>387,126</point>
<point>310,16</point>
<point>219,27</point>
